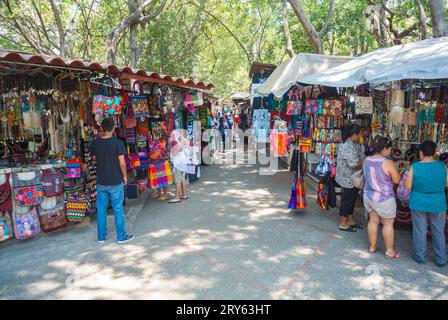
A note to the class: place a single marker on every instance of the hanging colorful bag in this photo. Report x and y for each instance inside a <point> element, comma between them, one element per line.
<point>322,195</point>
<point>301,193</point>
<point>134,161</point>
<point>160,175</point>
<point>188,103</point>
<point>363,105</point>
<point>140,106</point>
<point>76,207</point>
<point>5,195</point>
<point>143,128</point>
<point>196,99</point>
<point>73,169</point>
<point>52,214</point>
<point>294,108</point>
<point>305,145</point>
<point>52,182</point>
<point>26,223</point>
<point>108,102</point>
<point>129,135</point>
<point>28,189</point>
<point>6,228</point>
<point>129,121</point>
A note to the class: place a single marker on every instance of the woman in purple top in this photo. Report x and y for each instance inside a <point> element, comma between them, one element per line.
<point>379,197</point>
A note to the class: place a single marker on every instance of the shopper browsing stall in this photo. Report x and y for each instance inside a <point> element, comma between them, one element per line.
<point>350,159</point>
<point>180,163</point>
<point>380,176</point>
<point>110,154</point>
<point>427,180</point>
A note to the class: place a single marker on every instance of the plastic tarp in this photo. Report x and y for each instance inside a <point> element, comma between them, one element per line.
<point>427,59</point>
<point>290,72</point>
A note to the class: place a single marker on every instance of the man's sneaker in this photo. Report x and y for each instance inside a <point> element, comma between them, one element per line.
<point>102,241</point>
<point>128,238</point>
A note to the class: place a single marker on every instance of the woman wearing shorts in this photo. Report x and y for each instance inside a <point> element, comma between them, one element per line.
<point>379,197</point>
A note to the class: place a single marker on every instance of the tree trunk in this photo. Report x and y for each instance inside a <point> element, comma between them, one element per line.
<point>423,20</point>
<point>289,46</point>
<point>133,46</point>
<point>439,28</point>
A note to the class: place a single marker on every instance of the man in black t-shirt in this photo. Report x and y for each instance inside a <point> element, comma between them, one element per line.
<point>110,153</point>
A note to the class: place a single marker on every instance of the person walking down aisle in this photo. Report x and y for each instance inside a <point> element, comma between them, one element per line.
<point>222,127</point>
<point>350,159</point>
<point>109,153</point>
<point>427,180</point>
<point>180,162</point>
<point>380,176</point>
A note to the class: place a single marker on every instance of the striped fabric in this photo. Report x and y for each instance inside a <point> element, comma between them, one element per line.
<point>160,175</point>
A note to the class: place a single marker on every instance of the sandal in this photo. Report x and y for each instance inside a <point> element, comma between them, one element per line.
<point>349,229</point>
<point>396,255</point>
<point>174,201</point>
<point>184,198</point>
<point>356,226</point>
<point>375,250</point>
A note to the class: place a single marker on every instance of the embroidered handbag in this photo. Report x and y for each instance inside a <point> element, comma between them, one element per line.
<point>140,106</point>
<point>76,207</point>
<point>142,141</point>
<point>196,99</point>
<point>143,128</point>
<point>27,188</point>
<point>322,195</point>
<point>294,108</point>
<point>107,103</point>
<point>130,136</point>
<point>26,223</point>
<point>160,175</point>
<point>5,226</point>
<point>52,182</point>
<point>129,121</point>
<point>134,161</point>
<point>305,145</point>
<point>363,105</point>
<point>52,214</point>
<point>73,169</point>
<point>5,195</point>
<point>144,160</point>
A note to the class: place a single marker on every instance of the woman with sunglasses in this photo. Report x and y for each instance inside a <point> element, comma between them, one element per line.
<point>379,197</point>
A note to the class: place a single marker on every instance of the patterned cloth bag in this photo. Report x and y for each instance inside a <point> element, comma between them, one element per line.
<point>73,169</point>
<point>403,194</point>
<point>5,195</point>
<point>143,128</point>
<point>160,175</point>
<point>52,182</point>
<point>140,106</point>
<point>363,105</point>
<point>6,229</point>
<point>28,189</point>
<point>294,108</point>
<point>76,207</point>
<point>26,222</point>
<point>52,214</point>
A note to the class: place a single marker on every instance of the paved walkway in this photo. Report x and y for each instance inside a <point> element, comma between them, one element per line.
<point>234,239</point>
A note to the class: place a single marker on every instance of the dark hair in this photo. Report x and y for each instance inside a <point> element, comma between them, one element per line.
<point>379,143</point>
<point>351,130</point>
<point>428,148</point>
<point>108,124</point>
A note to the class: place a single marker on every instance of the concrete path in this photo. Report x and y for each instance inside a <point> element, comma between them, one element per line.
<point>234,238</point>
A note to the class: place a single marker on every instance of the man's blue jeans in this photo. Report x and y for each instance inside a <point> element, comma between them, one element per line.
<point>116,196</point>
<point>437,223</point>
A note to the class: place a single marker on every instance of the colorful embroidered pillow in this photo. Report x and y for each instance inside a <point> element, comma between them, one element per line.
<point>294,108</point>
<point>28,189</point>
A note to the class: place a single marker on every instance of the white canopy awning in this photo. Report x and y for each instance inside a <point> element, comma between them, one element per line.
<point>427,59</point>
<point>290,72</point>
<point>240,96</point>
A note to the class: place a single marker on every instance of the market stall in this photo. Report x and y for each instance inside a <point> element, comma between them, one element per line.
<point>50,111</point>
<point>400,92</point>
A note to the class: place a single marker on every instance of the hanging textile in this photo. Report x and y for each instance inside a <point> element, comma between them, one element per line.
<point>298,192</point>
<point>261,124</point>
<point>160,175</point>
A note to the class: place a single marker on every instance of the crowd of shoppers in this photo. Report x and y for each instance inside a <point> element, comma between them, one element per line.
<point>426,182</point>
